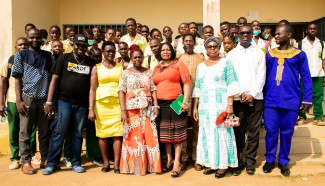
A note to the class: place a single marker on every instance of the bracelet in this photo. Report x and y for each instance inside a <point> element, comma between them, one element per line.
<point>156,107</point>
<point>49,103</point>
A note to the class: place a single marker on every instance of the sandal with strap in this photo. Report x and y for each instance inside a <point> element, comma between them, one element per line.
<point>175,174</point>
<point>209,171</point>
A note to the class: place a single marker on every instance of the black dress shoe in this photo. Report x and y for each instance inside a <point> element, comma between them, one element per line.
<point>236,171</point>
<point>209,171</point>
<point>117,171</point>
<point>285,171</point>
<point>105,169</point>
<point>250,169</point>
<point>268,167</point>
<point>220,175</point>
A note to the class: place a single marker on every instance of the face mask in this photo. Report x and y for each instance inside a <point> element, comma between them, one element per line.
<point>184,47</point>
<point>237,40</point>
<point>256,32</point>
<point>90,42</point>
<point>246,43</point>
<point>266,36</point>
<point>43,40</point>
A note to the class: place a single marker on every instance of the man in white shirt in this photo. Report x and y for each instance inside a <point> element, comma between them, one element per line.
<point>314,49</point>
<point>132,37</point>
<point>249,64</point>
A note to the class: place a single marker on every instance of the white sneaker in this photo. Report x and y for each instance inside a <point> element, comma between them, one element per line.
<point>67,162</point>
<point>98,163</point>
<point>35,160</point>
<point>14,165</point>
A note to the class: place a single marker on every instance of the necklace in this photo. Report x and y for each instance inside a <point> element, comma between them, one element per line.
<point>75,57</point>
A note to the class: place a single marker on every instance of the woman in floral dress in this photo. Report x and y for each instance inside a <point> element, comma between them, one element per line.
<point>137,94</point>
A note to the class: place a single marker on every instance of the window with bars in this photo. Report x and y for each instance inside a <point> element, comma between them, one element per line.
<point>80,28</point>
<point>321,28</point>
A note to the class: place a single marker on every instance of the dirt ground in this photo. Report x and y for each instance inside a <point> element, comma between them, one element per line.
<point>302,175</point>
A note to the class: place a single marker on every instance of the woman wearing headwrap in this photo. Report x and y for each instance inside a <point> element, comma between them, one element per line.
<point>215,86</point>
<point>139,105</point>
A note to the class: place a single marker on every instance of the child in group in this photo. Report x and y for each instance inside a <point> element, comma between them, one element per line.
<point>228,44</point>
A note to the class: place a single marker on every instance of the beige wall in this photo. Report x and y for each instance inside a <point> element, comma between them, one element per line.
<point>42,13</point>
<point>5,29</point>
<point>153,13</point>
<point>272,11</point>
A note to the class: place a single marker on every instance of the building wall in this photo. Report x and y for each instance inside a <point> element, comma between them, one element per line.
<point>5,29</point>
<point>41,13</point>
<point>272,11</point>
<point>150,12</point>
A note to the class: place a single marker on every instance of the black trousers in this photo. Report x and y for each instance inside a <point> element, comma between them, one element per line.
<point>250,121</point>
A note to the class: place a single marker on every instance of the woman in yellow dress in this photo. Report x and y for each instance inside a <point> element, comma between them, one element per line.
<point>104,105</point>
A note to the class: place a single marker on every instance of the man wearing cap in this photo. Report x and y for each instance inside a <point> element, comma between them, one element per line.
<point>70,81</point>
<point>31,70</point>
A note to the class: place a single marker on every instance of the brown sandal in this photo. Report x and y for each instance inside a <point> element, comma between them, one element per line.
<point>175,174</point>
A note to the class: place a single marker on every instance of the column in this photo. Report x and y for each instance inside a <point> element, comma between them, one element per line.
<point>211,14</point>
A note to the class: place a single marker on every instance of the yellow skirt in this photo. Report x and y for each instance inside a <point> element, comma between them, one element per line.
<point>108,117</point>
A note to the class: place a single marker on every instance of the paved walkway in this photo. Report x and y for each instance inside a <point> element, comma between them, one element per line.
<point>302,175</point>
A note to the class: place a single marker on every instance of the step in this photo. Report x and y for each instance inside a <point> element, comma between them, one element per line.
<point>299,159</point>
<point>300,145</point>
<point>308,130</point>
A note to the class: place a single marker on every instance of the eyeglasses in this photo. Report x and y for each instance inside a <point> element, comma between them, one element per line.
<point>211,46</point>
<point>110,51</point>
<point>243,33</point>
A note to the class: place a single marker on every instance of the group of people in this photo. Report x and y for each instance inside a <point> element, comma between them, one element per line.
<point>122,89</point>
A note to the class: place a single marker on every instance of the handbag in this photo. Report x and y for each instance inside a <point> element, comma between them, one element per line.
<point>232,121</point>
<point>150,114</point>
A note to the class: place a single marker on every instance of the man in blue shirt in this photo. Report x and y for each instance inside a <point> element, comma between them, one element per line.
<point>284,66</point>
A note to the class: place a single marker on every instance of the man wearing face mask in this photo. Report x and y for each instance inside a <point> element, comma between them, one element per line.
<point>191,59</point>
<point>257,40</point>
<point>249,64</point>
<point>266,33</point>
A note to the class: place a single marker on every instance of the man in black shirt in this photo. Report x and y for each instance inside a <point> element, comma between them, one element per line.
<point>71,79</point>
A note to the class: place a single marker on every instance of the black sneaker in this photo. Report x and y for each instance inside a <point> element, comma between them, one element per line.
<point>285,171</point>
<point>250,169</point>
<point>268,167</point>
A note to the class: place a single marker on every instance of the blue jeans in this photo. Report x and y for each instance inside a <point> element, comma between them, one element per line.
<point>69,122</point>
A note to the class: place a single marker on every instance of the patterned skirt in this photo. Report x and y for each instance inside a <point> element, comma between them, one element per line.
<point>140,147</point>
<point>172,127</point>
